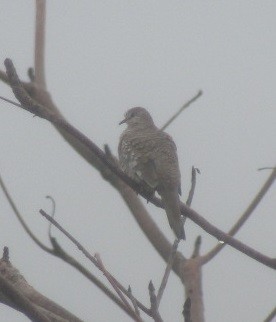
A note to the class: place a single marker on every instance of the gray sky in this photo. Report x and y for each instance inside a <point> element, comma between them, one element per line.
<point>103,57</point>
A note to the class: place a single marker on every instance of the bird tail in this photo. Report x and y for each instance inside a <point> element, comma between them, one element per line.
<point>171,203</point>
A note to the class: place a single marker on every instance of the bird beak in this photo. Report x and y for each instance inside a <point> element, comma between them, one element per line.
<point>123,121</point>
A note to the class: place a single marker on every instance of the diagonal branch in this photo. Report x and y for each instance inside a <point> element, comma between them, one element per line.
<point>136,207</point>
<point>182,109</point>
<point>94,260</point>
<point>60,253</point>
<point>17,293</point>
<point>21,220</point>
<point>39,110</point>
<point>271,316</point>
<point>252,206</point>
<point>21,302</point>
<point>113,283</point>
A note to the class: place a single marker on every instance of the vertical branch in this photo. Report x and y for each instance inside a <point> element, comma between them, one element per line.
<point>192,280</point>
<point>40,43</point>
<point>187,310</point>
<point>167,272</point>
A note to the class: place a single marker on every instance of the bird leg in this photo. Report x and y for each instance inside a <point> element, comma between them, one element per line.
<point>148,191</point>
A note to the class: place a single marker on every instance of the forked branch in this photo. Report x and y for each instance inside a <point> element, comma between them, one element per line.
<point>39,110</point>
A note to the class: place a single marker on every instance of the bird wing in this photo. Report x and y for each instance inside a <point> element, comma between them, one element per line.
<point>146,171</point>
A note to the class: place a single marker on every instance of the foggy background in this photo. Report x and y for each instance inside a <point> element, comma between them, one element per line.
<point>103,57</point>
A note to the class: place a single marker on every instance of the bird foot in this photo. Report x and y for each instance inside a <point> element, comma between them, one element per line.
<point>149,192</point>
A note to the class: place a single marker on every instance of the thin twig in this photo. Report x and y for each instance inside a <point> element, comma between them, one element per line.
<point>111,281</point>
<point>21,220</point>
<point>193,185</point>
<point>69,236</point>
<point>267,168</point>
<point>38,109</point>
<point>167,272</point>
<point>88,255</point>
<point>40,44</point>
<point>60,253</point>
<point>10,101</point>
<point>53,215</point>
<point>248,212</point>
<point>181,110</point>
<point>133,300</point>
<point>153,303</point>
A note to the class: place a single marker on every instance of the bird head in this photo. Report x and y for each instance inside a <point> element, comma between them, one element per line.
<point>137,116</point>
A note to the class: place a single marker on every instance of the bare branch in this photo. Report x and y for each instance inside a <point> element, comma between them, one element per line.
<point>21,220</point>
<point>22,303</point>
<point>4,78</point>
<point>167,273</point>
<point>192,280</point>
<point>18,294</point>
<point>187,310</point>
<point>60,253</point>
<point>197,245</point>
<point>193,185</point>
<point>153,301</point>
<point>113,283</point>
<point>10,101</point>
<point>271,316</point>
<point>134,301</point>
<point>145,222</point>
<point>248,212</point>
<point>92,259</point>
<point>181,110</point>
<point>39,110</point>
<point>69,236</point>
<point>40,44</point>
<point>53,215</point>
<point>266,168</point>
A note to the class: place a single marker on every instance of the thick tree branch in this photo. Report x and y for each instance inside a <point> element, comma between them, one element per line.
<point>145,222</point>
<point>20,302</point>
<point>23,297</point>
<point>187,310</point>
<point>39,110</point>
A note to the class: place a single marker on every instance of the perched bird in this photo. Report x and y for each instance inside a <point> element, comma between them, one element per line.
<point>148,155</point>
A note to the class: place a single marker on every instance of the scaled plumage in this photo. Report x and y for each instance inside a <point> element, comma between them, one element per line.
<point>149,156</point>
